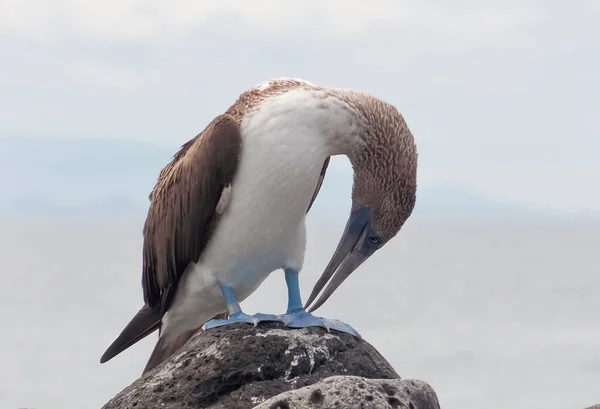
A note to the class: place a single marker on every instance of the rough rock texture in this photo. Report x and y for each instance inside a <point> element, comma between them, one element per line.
<point>594,407</point>
<point>357,392</point>
<point>240,366</point>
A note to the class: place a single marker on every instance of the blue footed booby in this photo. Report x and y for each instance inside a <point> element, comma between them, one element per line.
<point>230,208</point>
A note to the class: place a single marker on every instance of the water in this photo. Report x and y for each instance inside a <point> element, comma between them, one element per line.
<point>492,315</point>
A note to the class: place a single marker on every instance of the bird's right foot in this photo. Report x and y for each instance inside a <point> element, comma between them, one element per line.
<point>236,314</point>
<point>241,317</point>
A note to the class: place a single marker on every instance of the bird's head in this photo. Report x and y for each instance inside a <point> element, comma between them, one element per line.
<point>384,159</point>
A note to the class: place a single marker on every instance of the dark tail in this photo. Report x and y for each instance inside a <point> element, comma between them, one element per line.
<point>145,322</point>
<point>163,350</point>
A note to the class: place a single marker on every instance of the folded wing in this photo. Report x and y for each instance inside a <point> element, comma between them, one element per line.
<point>182,216</point>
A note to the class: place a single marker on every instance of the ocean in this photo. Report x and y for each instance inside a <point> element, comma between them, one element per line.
<point>492,315</point>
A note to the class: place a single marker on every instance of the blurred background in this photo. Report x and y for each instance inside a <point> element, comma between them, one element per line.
<point>489,293</point>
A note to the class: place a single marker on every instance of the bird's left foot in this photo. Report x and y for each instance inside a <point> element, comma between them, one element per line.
<point>302,319</point>
<point>241,317</point>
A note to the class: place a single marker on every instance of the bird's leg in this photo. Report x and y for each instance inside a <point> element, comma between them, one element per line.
<point>296,317</point>
<point>235,312</point>
<point>293,286</point>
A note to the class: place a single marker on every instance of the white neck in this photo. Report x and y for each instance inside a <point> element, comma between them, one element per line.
<point>316,112</point>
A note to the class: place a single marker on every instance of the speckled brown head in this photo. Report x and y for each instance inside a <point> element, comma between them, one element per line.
<point>384,159</point>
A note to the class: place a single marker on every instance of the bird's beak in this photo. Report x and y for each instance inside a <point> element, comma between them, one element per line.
<point>353,249</point>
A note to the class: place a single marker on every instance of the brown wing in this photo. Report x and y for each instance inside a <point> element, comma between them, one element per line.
<point>182,212</point>
<point>319,184</point>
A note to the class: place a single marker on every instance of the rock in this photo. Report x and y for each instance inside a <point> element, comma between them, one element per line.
<point>357,392</point>
<point>240,366</point>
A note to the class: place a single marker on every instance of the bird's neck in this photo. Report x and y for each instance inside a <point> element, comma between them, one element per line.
<point>317,116</point>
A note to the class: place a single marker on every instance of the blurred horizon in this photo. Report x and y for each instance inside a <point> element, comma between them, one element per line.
<point>113,178</point>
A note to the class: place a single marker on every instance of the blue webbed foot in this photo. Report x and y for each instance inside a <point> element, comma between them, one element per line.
<point>236,314</point>
<point>241,317</point>
<point>302,319</point>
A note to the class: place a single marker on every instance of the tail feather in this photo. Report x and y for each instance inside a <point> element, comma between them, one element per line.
<point>163,350</point>
<point>145,322</point>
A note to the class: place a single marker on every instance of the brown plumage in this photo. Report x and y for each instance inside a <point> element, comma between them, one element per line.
<point>182,212</point>
<point>179,224</point>
<point>385,168</point>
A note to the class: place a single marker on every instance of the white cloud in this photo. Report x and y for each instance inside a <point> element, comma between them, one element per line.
<point>65,36</point>
<point>49,21</point>
<point>129,20</point>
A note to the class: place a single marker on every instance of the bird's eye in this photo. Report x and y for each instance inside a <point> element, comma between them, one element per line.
<point>374,239</point>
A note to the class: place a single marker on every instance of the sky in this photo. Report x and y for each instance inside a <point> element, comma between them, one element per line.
<point>502,96</point>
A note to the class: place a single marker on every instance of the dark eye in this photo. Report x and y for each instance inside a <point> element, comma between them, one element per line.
<point>374,239</point>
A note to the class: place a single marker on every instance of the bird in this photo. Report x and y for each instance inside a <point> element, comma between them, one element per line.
<point>230,208</point>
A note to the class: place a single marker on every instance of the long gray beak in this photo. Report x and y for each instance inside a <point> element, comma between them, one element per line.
<point>358,242</point>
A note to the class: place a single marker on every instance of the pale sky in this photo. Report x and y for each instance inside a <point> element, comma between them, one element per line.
<point>502,96</point>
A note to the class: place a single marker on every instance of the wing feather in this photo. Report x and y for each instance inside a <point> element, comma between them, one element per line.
<point>319,183</point>
<point>182,212</point>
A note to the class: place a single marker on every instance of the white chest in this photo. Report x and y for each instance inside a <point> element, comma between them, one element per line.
<point>263,226</point>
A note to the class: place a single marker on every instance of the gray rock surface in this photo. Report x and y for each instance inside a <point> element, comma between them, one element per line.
<point>240,366</point>
<point>357,392</point>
